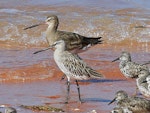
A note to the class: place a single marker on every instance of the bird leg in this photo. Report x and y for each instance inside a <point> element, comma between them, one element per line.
<point>68,91</point>
<point>136,91</point>
<point>63,77</point>
<point>78,87</point>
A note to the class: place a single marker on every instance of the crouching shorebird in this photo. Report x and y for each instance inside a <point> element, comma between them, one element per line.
<point>72,66</point>
<point>128,68</point>
<point>74,41</point>
<point>143,83</point>
<point>134,104</point>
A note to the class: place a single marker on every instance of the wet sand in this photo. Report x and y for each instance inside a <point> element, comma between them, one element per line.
<point>95,93</point>
<point>40,84</point>
<point>28,79</point>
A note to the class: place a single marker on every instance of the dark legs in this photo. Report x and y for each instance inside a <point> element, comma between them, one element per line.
<point>68,91</point>
<point>136,91</point>
<point>78,91</point>
<point>63,77</point>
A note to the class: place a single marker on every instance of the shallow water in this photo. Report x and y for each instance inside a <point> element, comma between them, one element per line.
<point>35,79</point>
<point>95,94</point>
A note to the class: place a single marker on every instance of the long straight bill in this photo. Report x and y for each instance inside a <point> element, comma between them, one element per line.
<point>33,26</point>
<point>50,47</point>
<point>115,60</point>
<point>112,101</point>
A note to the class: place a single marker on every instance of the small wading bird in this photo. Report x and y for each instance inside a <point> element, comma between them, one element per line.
<point>128,68</point>
<point>72,66</point>
<point>74,42</point>
<point>143,83</point>
<point>134,104</point>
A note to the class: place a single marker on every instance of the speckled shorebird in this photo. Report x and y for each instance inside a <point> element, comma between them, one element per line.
<point>134,104</point>
<point>74,41</point>
<point>121,110</point>
<point>72,66</point>
<point>143,83</point>
<point>10,110</point>
<point>128,68</point>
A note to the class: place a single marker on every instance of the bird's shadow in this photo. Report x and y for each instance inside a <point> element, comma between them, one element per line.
<point>103,80</point>
<point>95,100</point>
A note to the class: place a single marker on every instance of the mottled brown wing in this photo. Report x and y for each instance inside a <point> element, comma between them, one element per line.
<point>74,40</point>
<point>78,67</point>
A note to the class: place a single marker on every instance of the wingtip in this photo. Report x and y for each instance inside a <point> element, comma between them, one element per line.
<point>100,75</point>
<point>100,41</point>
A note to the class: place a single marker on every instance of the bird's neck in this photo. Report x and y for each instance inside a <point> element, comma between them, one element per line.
<point>51,30</point>
<point>50,34</point>
<point>60,49</point>
<point>59,53</point>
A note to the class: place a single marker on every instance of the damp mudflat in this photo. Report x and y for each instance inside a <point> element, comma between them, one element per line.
<point>41,84</point>
<point>96,94</point>
<point>28,79</point>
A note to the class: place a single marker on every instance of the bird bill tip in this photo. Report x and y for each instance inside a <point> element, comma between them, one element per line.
<point>112,101</point>
<point>115,59</point>
<point>35,25</point>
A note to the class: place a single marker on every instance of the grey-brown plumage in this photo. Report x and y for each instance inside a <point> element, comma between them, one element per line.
<point>143,83</point>
<point>74,42</point>
<point>128,68</point>
<point>72,65</point>
<point>134,104</point>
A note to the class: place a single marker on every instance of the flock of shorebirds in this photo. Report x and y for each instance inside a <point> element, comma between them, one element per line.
<point>67,45</point>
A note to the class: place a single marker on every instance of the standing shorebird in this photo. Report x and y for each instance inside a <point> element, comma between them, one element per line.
<point>143,83</point>
<point>74,42</point>
<point>134,104</point>
<point>72,66</point>
<point>128,68</point>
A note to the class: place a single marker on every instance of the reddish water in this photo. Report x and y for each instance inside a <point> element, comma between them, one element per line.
<point>35,79</point>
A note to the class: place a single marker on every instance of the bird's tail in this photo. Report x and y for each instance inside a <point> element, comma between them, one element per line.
<point>92,41</point>
<point>94,74</point>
